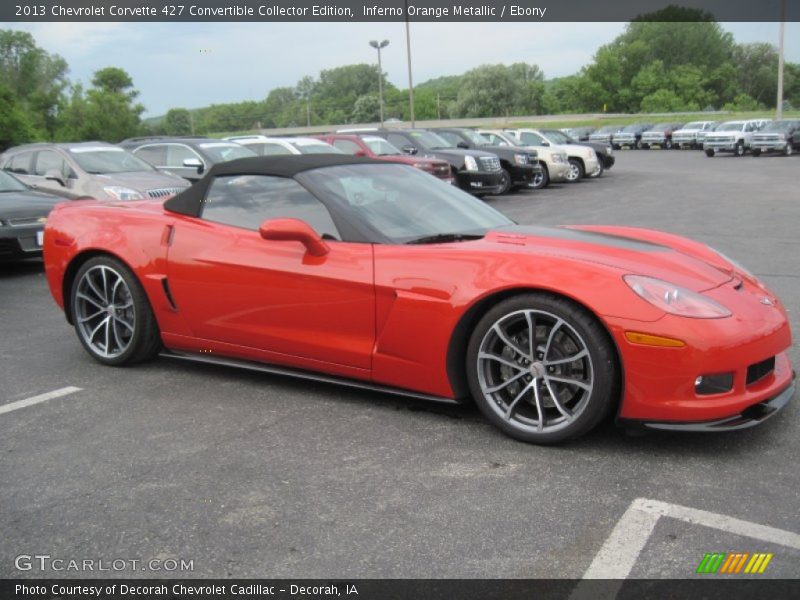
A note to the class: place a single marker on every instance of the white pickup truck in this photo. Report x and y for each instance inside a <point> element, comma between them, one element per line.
<point>732,136</point>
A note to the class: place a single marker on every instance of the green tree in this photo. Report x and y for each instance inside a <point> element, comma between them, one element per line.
<point>178,121</point>
<point>111,113</point>
<point>35,79</point>
<point>498,90</point>
<point>366,109</point>
<point>15,128</point>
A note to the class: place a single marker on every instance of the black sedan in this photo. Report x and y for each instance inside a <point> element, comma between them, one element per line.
<point>23,213</point>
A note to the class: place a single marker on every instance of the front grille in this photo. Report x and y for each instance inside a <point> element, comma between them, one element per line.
<point>25,221</point>
<point>490,163</point>
<point>164,192</point>
<point>766,137</point>
<point>8,247</point>
<point>757,372</point>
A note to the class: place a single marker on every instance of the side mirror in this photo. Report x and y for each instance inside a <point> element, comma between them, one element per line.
<point>409,149</point>
<point>545,143</point>
<point>463,145</point>
<point>194,163</point>
<point>55,175</point>
<point>294,230</point>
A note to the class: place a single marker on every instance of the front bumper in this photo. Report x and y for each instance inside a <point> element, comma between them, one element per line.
<point>523,174</point>
<point>621,141</point>
<point>720,145</point>
<point>479,182</point>
<point>20,242</point>
<point>659,140</point>
<point>684,140</point>
<point>750,417</point>
<point>769,146</point>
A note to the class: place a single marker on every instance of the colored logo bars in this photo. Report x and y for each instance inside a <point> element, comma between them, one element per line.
<point>734,563</point>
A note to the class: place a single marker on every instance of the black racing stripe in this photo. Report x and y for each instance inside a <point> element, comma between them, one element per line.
<point>588,237</point>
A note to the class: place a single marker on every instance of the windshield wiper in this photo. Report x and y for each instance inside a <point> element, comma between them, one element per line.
<point>445,237</point>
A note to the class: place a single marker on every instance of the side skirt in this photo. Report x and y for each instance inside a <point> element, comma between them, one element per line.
<point>300,374</point>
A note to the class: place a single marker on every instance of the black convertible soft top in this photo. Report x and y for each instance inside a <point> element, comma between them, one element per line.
<point>190,201</point>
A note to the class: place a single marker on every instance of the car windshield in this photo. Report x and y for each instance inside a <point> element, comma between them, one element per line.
<point>430,140</point>
<point>474,137</point>
<point>403,204</point>
<point>694,125</point>
<point>780,126</point>
<point>632,128</point>
<point>99,160</point>
<point>661,126</point>
<point>381,147</point>
<point>608,129</point>
<point>9,183</point>
<point>730,127</point>
<point>557,137</point>
<point>224,151</point>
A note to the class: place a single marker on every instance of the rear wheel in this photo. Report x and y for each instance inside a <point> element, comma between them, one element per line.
<point>576,170</point>
<point>709,152</point>
<point>112,315</point>
<point>756,152</point>
<point>541,368</point>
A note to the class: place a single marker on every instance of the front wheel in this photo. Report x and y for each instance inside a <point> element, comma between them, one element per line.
<point>541,180</point>
<point>668,145</point>
<point>756,152</point>
<point>541,368</point>
<point>111,313</point>
<point>575,170</point>
<point>505,182</point>
<point>789,150</point>
<point>740,150</point>
<point>709,152</point>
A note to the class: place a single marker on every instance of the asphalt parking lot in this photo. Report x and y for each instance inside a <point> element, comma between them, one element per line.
<point>252,475</point>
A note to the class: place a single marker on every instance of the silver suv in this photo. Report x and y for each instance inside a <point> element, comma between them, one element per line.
<point>94,169</point>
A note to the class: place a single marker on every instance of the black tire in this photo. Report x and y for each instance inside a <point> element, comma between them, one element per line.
<point>644,146</point>
<point>599,171</point>
<point>543,180</point>
<point>755,152</point>
<point>567,398</point>
<point>130,332</point>
<point>668,145</point>
<point>576,170</point>
<point>638,145</point>
<point>505,182</point>
<point>709,152</point>
<point>616,146</point>
<point>789,150</point>
<point>740,150</point>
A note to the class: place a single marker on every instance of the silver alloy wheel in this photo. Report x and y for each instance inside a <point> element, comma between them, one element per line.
<point>574,172</point>
<point>104,311</point>
<point>789,150</point>
<point>535,371</point>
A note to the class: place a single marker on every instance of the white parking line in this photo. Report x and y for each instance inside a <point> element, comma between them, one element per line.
<point>4,408</point>
<point>621,549</point>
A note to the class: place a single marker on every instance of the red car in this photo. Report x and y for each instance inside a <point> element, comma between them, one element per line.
<point>353,270</point>
<point>378,148</point>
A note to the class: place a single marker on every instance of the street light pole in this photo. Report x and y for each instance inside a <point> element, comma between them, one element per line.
<point>779,108</point>
<point>410,81</point>
<point>378,46</point>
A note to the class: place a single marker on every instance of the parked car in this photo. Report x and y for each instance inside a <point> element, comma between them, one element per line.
<point>630,136</point>
<point>265,145</point>
<point>519,166</point>
<point>777,136</point>
<point>583,160</point>
<point>731,136</point>
<point>660,135</point>
<point>476,171</point>
<point>579,134</point>
<point>604,134</point>
<point>95,169</point>
<point>604,152</point>
<point>692,134</point>
<point>189,157</point>
<point>23,213</point>
<point>374,275</point>
<point>373,146</point>
<point>553,160</point>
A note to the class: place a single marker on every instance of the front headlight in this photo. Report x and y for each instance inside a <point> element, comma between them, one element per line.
<point>674,299</point>
<point>560,158</point>
<point>470,164</point>
<point>521,159</point>
<point>122,193</point>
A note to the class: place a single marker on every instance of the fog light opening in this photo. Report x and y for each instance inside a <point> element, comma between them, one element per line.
<point>705,385</point>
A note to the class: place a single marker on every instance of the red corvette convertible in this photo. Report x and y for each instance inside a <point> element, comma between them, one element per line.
<point>377,275</point>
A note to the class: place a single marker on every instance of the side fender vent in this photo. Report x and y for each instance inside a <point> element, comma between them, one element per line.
<point>168,294</point>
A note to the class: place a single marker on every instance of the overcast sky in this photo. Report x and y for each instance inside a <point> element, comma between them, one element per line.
<point>196,64</point>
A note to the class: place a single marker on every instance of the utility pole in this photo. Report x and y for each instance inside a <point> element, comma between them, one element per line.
<point>779,108</point>
<point>377,46</point>
<point>410,80</point>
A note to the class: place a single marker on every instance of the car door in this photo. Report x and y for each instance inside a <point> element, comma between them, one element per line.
<point>233,286</point>
<point>49,162</point>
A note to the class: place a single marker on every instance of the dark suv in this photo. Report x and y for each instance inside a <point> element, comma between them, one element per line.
<point>519,166</point>
<point>188,157</point>
<point>475,171</point>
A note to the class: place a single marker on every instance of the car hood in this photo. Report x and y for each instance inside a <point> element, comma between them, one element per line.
<point>457,153</point>
<point>15,205</point>
<point>142,181</point>
<point>630,250</point>
<point>596,146</point>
